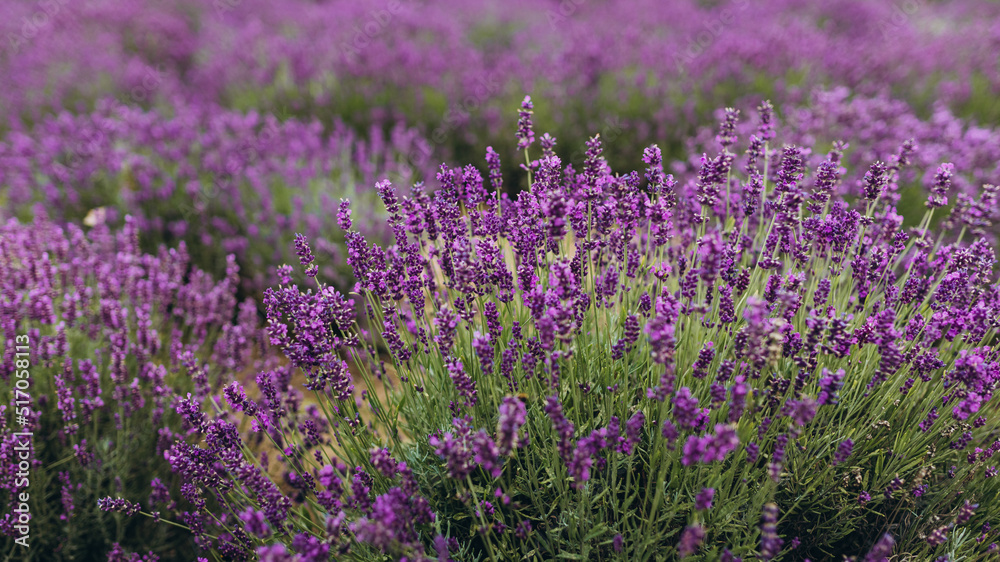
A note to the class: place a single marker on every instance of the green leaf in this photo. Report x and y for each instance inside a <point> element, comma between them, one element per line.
<point>596,532</point>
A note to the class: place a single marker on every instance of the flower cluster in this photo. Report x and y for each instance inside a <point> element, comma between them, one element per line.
<point>109,339</point>
<point>759,353</point>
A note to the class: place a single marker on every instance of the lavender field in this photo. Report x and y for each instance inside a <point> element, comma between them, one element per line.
<point>401,280</point>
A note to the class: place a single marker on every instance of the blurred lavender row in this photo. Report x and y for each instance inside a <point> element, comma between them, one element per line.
<point>636,64</point>
<point>225,182</point>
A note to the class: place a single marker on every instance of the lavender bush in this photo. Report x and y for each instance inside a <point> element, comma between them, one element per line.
<point>747,365</point>
<point>108,340</point>
<point>883,129</point>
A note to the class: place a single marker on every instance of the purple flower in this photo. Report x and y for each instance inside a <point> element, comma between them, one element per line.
<point>633,432</point>
<point>585,451</point>
<point>484,350</point>
<point>463,382</point>
<point>728,556</point>
<point>630,336</point>
<point>118,504</point>
<point>703,500</point>
<point>344,215</point>
<point>665,387</point>
<point>710,448</point>
<point>548,143</point>
<point>383,462</point>
<point>875,181</point>
<point>441,546</point>
<point>802,411</point>
<point>454,448</point>
<point>513,415</point>
<point>670,433</point>
<point>724,441</point>
<point>305,255</point>
<point>828,174</point>
<point>691,539</point>
<point>394,517</point>
<point>705,357</point>
<point>770,542</point>
<point>843,451</point>
<point>694,450</point>
<point>525,131</point>
<point>942,185</point>
<point>563,427</point>
<point>447,324</point>
<point>274,553</point>
<point>399,348</point>
<point>765,129</point>
<point>965,512</point>
<point>523,529</point>
<point>617,543</point>
<point>968,406</point>
<point>654,167</point>
<point>493,163</point>
<point>686,409</point>
<point>661,335</point>
<point>938,536</point>
<point>255,522</point>
<point>66,496</point>
<point>829,385</point>
<point>882,549</point>
<point>727,131</point>
<point>486,454</point>
<point>926,424</point>
<point>737,399</point>
<point>778,457</point>
<point>329,479</point>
